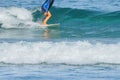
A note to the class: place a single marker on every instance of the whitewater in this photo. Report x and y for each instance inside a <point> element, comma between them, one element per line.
<point>63,52</point>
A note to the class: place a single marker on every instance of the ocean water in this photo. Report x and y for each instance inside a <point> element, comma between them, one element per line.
<point>86,45</point>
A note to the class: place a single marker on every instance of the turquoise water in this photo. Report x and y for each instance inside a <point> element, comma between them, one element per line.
<point>84,47</point>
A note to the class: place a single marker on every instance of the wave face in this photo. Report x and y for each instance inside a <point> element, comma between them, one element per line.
<point>80,52</point>
<point>78,18</point>
<point>75,23</point>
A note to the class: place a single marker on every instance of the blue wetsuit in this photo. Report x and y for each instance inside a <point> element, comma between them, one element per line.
<point>46,6</point>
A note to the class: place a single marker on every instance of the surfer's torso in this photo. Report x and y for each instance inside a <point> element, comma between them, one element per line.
<point>47,5</point>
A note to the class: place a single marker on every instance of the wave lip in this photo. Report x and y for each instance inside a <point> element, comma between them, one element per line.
<point>80,52</point>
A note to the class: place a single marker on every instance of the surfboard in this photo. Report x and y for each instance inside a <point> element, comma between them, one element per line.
<point>52,25</point>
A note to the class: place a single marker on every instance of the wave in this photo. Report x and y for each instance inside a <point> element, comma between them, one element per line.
<point>80,52</point>
<point>21,17</point>
<point>74,22</point>
<point>79,18</point>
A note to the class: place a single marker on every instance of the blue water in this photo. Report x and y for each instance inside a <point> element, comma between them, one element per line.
<point>59,72</point>
<point>84,47</point>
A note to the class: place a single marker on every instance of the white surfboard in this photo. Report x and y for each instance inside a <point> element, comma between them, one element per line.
<point>51,25</point>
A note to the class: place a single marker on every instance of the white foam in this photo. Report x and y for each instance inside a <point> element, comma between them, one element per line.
<point>81,52</point>
<point>14,17</point>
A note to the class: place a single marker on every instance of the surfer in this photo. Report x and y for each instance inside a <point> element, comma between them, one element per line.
<point>45,9</point>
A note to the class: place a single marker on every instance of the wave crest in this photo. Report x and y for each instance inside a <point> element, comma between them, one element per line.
<point>80,52</point>
<point>14,17</point>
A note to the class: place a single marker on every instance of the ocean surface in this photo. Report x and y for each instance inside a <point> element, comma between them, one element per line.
<point>86,45</point>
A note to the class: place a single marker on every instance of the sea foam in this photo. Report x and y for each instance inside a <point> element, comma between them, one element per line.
<point>15,17</point>
<point>80,52</point>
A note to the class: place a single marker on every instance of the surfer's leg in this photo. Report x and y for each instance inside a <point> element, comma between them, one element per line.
<point>48,15</point>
